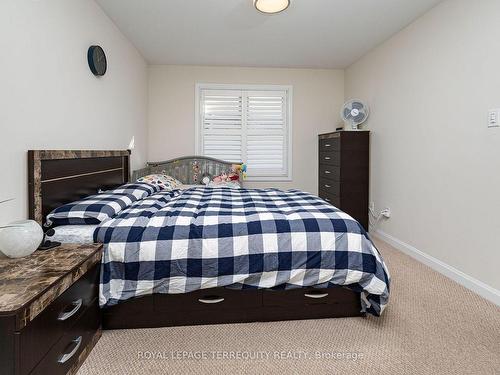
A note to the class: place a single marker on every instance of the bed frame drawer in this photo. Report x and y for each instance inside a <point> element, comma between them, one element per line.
<point>311,303</point>
<point>307,296</point>
<point>215,299</point>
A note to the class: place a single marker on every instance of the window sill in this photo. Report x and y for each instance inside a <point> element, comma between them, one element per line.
<point>268,179</point>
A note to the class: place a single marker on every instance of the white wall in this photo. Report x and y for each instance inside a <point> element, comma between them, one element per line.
<point>317,97</point>
<point>49,99</point>
<point>434,161</point>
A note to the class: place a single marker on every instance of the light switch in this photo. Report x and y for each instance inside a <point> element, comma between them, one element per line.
<point>494,118</point>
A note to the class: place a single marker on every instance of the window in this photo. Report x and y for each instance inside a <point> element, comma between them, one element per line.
<point>246,123</point>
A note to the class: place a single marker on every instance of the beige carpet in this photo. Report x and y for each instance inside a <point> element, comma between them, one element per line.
<point>431,326</point>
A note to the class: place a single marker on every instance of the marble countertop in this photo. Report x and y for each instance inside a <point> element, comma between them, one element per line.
<point>31,283</point>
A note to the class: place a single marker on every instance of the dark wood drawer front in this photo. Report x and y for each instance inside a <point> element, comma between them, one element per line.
<point>329,172</point>
<point>216,299</point>
<point>208,306</point>
<point>312,296</point>
<point>64,354</point>
<point>330,144</point>
<point>330,158</point>
<point>43,332</point>
<point>334,200</point>
<point>140,308</point>
<point>330,187</point>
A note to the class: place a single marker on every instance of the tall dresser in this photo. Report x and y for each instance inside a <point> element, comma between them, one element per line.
<point>344,159</point>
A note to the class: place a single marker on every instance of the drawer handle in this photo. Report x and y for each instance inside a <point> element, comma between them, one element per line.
<point>328,145</point>
<point>66,357</point>
<point>327,158</point>
<point>327,172</point>
<point>211,300</point>
<point>326,199</point>
<point>66,315</point>
<point>328,186</point>
<point>315,295</point>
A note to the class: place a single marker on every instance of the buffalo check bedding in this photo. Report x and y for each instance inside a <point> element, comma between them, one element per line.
<point>99,207</point>
<point>90,210</point>
<point>182,241</point>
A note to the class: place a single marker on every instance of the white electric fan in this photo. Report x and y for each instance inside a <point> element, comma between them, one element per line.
<point>354,112</point>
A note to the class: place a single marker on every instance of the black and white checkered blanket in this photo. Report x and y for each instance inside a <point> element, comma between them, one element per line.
<point>178,242</point>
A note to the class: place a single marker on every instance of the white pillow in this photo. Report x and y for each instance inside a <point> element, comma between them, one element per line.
<point>228,184</point>
<point>185,187</point>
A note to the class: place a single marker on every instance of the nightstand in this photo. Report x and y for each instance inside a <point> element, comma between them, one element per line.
<point>49,312</point>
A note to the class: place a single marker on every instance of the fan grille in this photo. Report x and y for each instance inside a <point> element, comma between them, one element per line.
<point>355,112</point>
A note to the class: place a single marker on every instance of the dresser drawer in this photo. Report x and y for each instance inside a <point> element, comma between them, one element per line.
<point>330,187</point>
<point>330,144</point>
<point>330,158</point>
<point>46,329</point>
<point>329,172</point>
<point>334,200</point>
<point>64,354</point>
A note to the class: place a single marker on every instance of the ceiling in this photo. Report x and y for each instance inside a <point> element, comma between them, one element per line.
<point>309,34</point>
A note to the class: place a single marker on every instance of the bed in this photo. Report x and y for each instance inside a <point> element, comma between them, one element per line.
<point>214,255</point>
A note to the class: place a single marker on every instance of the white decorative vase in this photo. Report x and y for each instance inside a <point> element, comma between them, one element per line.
<point>20,238</point>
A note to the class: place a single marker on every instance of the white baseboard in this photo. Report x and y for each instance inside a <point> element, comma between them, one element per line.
<point>484,290</point>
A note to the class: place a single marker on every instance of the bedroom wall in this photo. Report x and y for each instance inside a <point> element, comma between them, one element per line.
<point>434,161</point>
<point>317,98</point>
<point>49,99</point>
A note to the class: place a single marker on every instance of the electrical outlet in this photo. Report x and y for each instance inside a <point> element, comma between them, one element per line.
<point>494,118</point>
<point>386,212</point>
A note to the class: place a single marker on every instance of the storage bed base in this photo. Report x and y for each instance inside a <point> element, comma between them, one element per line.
<point>221,305</point>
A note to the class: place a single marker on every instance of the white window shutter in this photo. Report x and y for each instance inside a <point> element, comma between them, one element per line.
<point>222,124</point>
<point>266,133</point>
<point>249,125</point>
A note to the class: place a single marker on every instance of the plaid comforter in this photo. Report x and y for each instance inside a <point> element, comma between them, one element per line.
<point>178,242</point>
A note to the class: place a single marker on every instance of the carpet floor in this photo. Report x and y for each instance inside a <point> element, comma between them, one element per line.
<point>432,325</point>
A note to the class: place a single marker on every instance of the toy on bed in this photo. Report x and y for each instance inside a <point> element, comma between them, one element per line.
<point>240,170</point>
<point>231,179</point>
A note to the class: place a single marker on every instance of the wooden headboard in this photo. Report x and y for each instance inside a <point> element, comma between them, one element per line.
<point>188,169</point>
<point>57,177</point>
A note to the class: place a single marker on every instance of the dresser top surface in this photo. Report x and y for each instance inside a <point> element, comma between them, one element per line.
<point>23,280</point>
<point>345,133</point>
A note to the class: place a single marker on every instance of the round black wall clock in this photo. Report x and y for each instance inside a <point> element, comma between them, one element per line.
<point>97,60</point>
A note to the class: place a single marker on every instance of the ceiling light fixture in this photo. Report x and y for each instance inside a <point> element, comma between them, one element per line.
<point>271,6</point>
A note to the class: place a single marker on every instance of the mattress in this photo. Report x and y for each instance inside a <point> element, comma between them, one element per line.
<point>73,234</point>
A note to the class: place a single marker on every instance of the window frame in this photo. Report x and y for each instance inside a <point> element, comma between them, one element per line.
<point>199,87</point>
